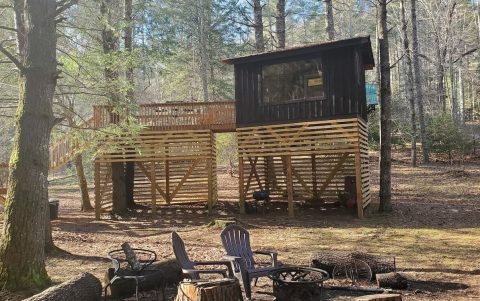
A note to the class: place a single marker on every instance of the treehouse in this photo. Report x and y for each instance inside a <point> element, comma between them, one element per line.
<point>300,118</point>
<point>301,122</point>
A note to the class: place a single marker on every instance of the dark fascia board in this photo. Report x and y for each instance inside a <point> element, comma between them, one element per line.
<point>363,42</point>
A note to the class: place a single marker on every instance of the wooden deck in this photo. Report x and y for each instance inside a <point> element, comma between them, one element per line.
<point>216,116</point>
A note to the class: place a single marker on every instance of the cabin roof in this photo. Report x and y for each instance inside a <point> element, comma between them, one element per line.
<point>363,42</point>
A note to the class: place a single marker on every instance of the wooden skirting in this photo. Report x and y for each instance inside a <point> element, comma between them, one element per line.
<point>311,158</point>
<point>170,167</point>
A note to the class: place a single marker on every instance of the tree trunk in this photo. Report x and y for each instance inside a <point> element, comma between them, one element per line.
<point>462,97</point>
<point>410,88</point>
<point>119,192</point>
<point>82,183</point>
<point>330,25</point>
<point>385,110</point>
<point>22,248</point>
<point>84,287</point>
<point>453,88</point>
<point>204,58</point>
<point>110,45</point>
<point>280,24</point>
<point>418,83</point>
<point>129,74</point>
<point>258,25</point>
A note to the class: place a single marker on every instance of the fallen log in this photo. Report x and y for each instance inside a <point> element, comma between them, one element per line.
<point>392,280</point>
<point>378,264</point>
<point>84,287</point>
<point>329,259</point>
<point>224,289</point>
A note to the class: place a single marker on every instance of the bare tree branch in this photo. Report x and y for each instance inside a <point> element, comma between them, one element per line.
<point>12,58</point>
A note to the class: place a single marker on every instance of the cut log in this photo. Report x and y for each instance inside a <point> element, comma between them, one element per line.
<point>379,264</point>
<point>328,260</point>
<point>166,273</point>
<point>84,287</point>
<point>224,289</point>
<point>392,280</point>
<point>380,297</point>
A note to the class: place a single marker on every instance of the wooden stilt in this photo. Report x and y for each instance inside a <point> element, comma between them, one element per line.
<point>241,184</point>
<point>288,163</point>
<point>314,177</point>
<point>358,183</point>
<point>97,191</point>
<point>153,188</point>
<point>167,182</point>
<point>210,185</point>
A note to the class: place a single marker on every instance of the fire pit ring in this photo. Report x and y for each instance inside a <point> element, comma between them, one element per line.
<point>298,283</point>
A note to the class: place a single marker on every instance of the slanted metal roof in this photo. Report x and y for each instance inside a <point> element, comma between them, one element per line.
<point>363,42</point>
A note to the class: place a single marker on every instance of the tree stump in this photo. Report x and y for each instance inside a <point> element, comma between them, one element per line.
<point>218,290</point>
<point>392,280</point>
<point>84,287</point>
<point>380,297</point>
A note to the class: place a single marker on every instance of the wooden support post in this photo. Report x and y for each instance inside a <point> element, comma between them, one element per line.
<point>210,185</point>
<point>314,177</point>
<point>358,183</point>
<point>288,163</point>
<point>241,184</point>
<point>167,182</point>
<point>97,191</point>
<point>267,173</point>
<point>153,188</point>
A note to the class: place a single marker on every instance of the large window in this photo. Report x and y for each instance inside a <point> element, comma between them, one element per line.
<point>292,81</point>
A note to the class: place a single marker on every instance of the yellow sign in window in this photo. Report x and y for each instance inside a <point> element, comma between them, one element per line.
<point>315,82</point>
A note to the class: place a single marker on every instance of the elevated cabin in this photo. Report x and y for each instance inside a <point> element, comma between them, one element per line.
<point>315,82</point>
<point>301,123</point>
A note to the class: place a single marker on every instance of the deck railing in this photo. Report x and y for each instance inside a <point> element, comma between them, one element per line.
<point>65,148</point>
<point>217,116</point>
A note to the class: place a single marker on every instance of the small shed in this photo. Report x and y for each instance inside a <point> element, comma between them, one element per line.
<point>301,118</point>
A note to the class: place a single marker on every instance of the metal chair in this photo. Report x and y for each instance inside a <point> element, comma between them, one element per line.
<point>189,269</point>
<point>126,269</point>
<point>236,241</point>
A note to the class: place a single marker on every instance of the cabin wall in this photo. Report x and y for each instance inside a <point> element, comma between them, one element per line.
<point>345,92</point>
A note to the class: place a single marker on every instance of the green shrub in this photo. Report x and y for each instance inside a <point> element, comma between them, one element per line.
<point>446,137</point>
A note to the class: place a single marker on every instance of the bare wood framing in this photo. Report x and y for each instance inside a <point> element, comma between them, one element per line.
<point>332,174</point>
<point>240,184</point>
<point>153,188</point>
<point>288,163</point>
<point>151,177</point>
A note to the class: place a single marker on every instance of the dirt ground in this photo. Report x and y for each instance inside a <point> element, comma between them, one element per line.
<point>434,231</point>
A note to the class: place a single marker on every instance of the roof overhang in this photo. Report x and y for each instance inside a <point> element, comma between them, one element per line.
<point>362,42</point>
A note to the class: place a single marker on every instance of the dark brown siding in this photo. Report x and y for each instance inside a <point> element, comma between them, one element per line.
<point>345,89</point>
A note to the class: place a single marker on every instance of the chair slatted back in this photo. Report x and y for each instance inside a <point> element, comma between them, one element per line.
<point>236,241</point>
<point>180,252</point>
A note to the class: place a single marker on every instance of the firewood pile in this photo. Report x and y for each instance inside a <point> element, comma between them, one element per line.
<point>358,269</point>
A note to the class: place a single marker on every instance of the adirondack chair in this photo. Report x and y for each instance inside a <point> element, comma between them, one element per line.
<point>189,267</point>
<point>236,241</point>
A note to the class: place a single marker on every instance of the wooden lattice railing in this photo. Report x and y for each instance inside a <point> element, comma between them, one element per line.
<point>217,116</point>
